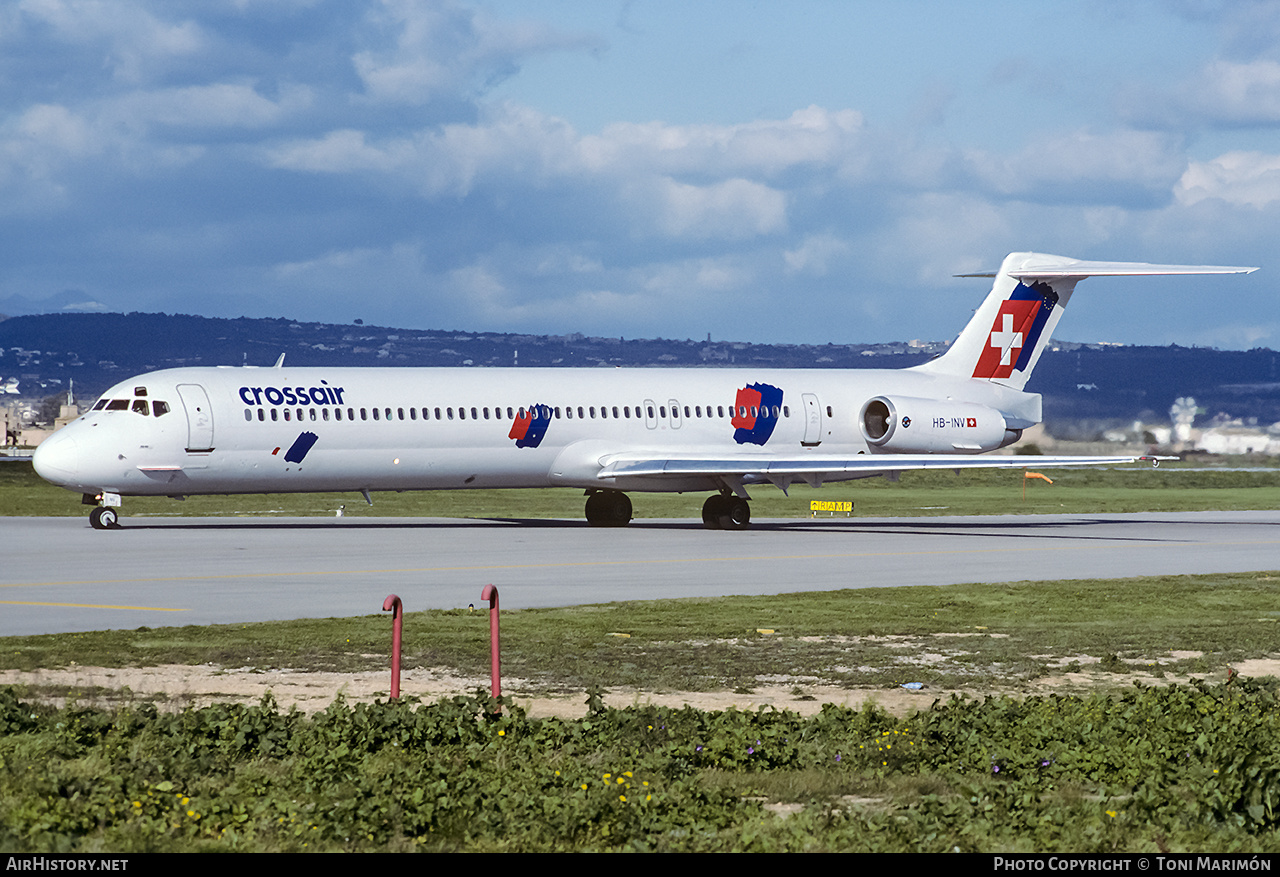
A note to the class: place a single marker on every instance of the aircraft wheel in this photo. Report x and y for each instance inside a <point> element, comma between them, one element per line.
<point>103,518</point>
<point>608,509</point>
<point>712,510</point>
<point>736,514</point>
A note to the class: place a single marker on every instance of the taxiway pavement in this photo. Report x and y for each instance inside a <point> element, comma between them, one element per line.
<point>58,575</point>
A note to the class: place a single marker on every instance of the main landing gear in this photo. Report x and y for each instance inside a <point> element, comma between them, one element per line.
<point>608,508</point>
<point>726,512</point>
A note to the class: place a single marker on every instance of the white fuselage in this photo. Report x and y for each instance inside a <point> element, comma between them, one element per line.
<point>259,430</point>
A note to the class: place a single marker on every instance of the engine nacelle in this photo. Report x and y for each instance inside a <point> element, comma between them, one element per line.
<point>905,425</point>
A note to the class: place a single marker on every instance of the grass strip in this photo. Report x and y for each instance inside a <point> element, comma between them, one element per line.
<point>966,636</point>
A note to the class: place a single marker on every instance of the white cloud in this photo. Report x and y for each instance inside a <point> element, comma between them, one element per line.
<point>48,128</point>
<point>217,105</point>
<point>1084,166</point>
<point>343,151</point>
<point>1248,178</point>
<point>134,42</point>
<point>813,136</point>
<point>444,49</point>
<point>1240,93</point>
<point>815,254</point>
<point>735,208</point>
<point>511,143</point>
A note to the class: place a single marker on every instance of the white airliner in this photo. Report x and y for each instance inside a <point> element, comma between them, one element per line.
<point>190,431</point>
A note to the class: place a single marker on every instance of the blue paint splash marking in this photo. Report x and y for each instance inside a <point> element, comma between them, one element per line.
<point>755,429</point>
<point>300,447</point>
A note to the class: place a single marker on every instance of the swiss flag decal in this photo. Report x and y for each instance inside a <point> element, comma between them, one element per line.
<point>1005,341</point>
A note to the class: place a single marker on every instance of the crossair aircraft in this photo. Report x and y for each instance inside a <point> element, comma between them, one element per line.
<point>193,431</point>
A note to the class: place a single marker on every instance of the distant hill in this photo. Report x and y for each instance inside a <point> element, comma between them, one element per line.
<point>1078,381</point>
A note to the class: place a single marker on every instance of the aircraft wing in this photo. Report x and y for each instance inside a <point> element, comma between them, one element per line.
<point>736,471</point>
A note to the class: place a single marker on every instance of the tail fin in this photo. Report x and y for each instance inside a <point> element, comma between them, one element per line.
<point>1007,334</point>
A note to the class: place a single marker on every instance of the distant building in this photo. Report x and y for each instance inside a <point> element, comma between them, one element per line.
<point>1238,440</point>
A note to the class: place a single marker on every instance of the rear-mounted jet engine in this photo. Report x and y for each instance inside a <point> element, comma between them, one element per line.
<point>905,425</point>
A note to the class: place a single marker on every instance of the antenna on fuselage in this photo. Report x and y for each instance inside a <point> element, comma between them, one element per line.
<point>279,362</point>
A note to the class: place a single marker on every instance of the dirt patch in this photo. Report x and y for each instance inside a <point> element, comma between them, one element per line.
<point>179,686</point>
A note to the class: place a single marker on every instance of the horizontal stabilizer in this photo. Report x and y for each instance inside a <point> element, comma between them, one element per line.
<point>1047,268</point>
<point>1079,270</point>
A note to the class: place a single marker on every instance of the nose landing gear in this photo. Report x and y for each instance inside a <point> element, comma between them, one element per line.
<point>106,510</point>
<point>104,518</point>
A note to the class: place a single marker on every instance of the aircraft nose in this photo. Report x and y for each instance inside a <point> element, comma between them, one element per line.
<point>57,458</point>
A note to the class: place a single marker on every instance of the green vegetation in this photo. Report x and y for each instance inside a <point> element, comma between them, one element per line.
<point>1190,768</point>
<point>1172,487</point>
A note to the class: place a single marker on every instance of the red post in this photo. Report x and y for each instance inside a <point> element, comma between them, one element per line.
<point>393,605</point>
<point>490,593</point>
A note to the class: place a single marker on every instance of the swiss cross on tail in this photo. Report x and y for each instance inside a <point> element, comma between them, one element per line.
<point>1016,331</point>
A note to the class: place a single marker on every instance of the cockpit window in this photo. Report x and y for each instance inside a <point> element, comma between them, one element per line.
<point>139,391</point>
<point>140,407</point>
<point>102,403</point>
<point>158,408</point>
<point>118,405</point>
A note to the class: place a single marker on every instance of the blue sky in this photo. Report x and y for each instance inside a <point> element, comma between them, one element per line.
<point>805,171</point>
